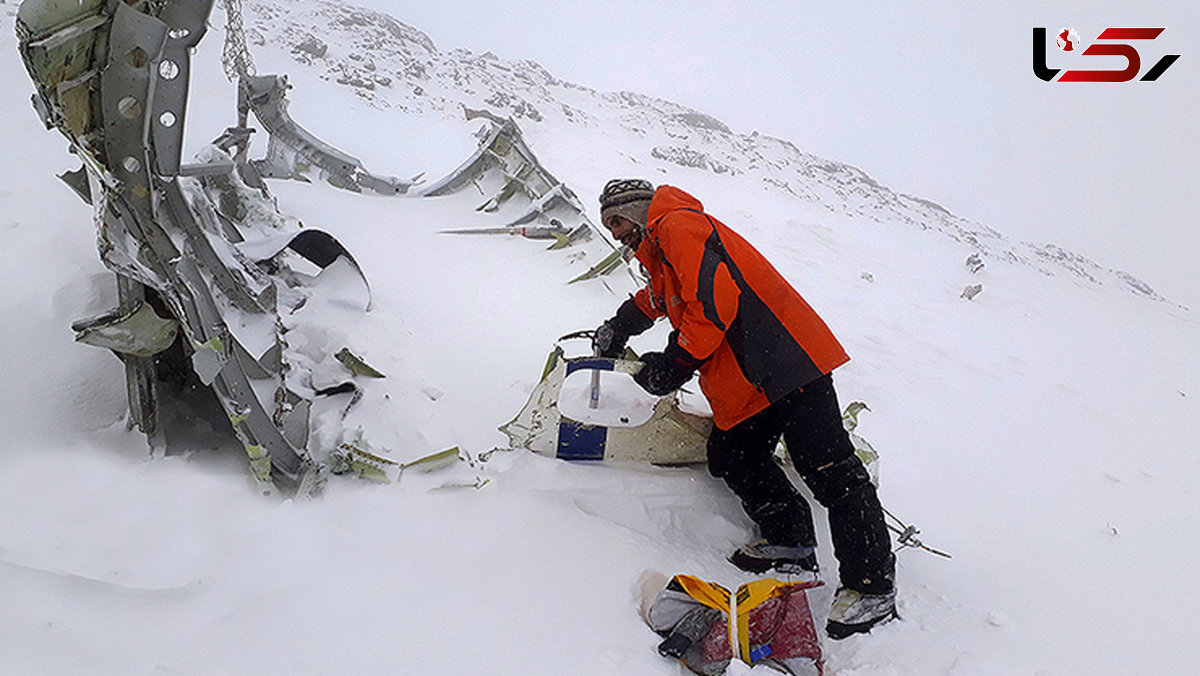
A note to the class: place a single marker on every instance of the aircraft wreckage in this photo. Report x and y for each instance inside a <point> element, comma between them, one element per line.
<point>211,279</point>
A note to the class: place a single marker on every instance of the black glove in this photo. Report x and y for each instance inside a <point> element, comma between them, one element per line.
<point>675,645</point>
<point>691,628</point>
<point>666,371</point>
<point>612,335</point>
<point>607,342</point>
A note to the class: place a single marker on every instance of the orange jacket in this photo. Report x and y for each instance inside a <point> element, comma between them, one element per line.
<point>758,338</point>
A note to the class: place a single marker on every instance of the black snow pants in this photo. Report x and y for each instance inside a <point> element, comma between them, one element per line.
<point>810,422</point>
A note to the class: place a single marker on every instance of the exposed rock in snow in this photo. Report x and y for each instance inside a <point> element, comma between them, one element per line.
<point>392,64</point>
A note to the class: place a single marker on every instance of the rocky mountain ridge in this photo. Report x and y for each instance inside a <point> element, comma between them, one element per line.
<point>392,65</point>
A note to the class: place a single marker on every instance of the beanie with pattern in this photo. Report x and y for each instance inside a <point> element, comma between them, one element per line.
<point>626,197</point>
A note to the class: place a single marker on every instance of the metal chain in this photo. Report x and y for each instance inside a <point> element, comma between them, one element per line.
<point>235,55</point>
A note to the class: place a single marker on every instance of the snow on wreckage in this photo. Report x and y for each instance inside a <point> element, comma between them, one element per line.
<point>215,286</point>
<point>212,281</point>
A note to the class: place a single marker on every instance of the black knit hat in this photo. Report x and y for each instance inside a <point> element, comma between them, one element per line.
<point>628,197</point>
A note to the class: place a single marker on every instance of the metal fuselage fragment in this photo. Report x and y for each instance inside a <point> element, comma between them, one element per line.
<point>113,78</point>
<point>670,436</point>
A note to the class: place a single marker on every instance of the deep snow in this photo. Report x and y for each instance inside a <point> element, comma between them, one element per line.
<point>1044,433</point>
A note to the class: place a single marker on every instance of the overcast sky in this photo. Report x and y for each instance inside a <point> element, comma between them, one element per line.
<point>934,99</point>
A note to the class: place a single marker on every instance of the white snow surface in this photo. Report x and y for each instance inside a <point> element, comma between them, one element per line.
<point>1046,433</point>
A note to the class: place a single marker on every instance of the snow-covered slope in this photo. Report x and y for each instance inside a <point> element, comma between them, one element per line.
<point>394,66</point>
<point>1045,433</point>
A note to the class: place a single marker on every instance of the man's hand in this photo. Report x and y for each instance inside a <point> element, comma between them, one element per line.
<point>607,342</point>
<point>612,335</point>
<point>666,371</point>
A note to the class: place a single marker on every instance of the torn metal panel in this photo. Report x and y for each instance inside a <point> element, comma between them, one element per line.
<point>210,277</point>
<point>553,231</point>
<point>292,149</point>
<point>140,332</point>
<point>607,265</point>
<point>61,40</point>
<point>533,203</point>
<point>242,284</point>
<point>125,90</point>
<point>140,383</point>
<point>113,78</point>
<point>78,181</point>
<point>186,25</point>
<point>670,436</point>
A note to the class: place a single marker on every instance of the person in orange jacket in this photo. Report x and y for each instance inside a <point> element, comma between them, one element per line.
<point>765,360</point>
